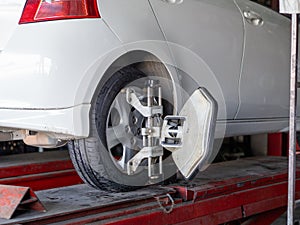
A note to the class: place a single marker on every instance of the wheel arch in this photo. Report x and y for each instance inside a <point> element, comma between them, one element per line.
<point>152,61</point>
<point>103,68</point>
<point>146,62</point>
<point>96,76</point>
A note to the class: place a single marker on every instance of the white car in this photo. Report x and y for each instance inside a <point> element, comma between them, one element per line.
<point>131,83</point>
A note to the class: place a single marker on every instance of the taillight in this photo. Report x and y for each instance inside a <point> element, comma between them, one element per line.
<point>45,10</point>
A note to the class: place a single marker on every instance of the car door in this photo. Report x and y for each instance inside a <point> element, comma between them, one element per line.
<point>264,87</point>
<point>206,39</point>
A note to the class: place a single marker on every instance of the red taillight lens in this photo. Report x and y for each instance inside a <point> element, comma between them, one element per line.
<point>45,10</point>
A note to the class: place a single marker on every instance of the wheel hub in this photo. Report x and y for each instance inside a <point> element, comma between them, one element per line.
<point>136,122</point>
<point>140,137</point>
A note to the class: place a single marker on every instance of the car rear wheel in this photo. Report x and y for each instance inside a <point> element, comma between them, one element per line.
<point>116,136</point>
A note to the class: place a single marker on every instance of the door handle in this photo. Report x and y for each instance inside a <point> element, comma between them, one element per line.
<point>253,18</point>
<point>175,2</point>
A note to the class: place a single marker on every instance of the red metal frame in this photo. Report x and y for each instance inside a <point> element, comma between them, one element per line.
<point>275,5</point>
<point>221,208</point>
<point>266,217</point>
<point>278,144</point>
<point>275,144</point>
<point>40,174</point>
<point>45,181</point>
<point>14,198</point>
<point>256,192</point>
<point>259,195</point>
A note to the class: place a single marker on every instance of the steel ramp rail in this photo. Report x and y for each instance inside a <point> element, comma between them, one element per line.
<point>38,171</point>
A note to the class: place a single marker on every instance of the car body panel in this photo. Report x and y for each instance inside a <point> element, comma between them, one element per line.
<point>191,25</point>
<point>32,57</point>
<point>10,11</point>
<point>264,85</point>
<point>130,24</point>
<point>60,122</point>
<point>254,126</point>
<point>137,29</point>
<point>59,64</point>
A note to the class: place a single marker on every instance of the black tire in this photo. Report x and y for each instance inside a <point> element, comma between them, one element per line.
<point>90,156</point>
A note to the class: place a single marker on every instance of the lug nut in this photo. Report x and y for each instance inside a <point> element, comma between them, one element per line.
<point>134,120</point>
<point>132,141</point>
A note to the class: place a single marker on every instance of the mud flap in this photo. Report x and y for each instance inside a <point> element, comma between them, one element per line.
<point>190,136</point>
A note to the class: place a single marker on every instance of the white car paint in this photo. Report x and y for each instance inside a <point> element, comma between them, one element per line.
<point>10,11</point>
<point>53,68</point>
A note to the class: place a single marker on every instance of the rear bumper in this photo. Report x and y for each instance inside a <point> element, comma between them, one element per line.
<point>47,80</point>
<point>71,122</point>
<point>40,69</point>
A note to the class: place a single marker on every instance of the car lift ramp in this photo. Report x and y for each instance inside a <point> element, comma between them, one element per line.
<point>251,189</point>
<point>38,171</point>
